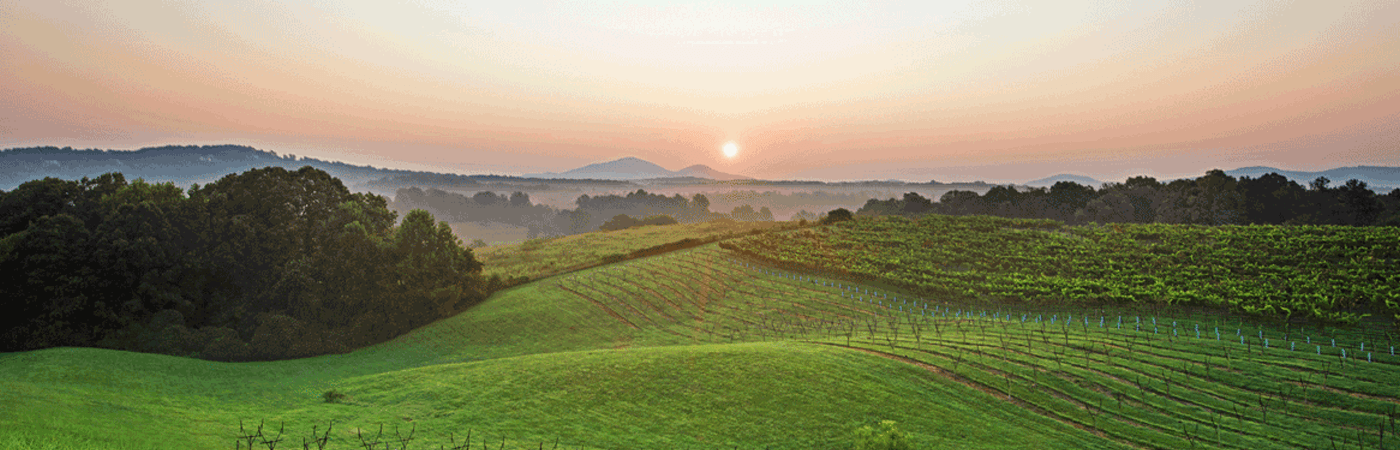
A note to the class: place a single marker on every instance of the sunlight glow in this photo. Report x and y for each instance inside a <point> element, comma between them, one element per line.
<point>730,150</point>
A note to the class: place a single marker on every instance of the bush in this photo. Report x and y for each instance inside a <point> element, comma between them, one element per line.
<point>887,437</point>
<point>333,396</point>
<point>837,215</point>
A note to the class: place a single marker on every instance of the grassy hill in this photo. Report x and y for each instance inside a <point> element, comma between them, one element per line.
<point>701,348</point>
<point>544,257</point>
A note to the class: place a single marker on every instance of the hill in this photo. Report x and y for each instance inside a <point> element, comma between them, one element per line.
<point>632,168</point>
<point>185,165</point>
<point>703,171</point>
<point>709,348</point>
<point>1051,180</point>
<point>532,364</point>
<point>1381,179</point>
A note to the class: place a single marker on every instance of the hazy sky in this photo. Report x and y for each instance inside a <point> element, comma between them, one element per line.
<point>948,90</point>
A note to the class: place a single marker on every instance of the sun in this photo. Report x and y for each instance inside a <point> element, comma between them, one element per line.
<point>730,150</point>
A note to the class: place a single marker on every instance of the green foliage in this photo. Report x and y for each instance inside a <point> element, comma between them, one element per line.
<point>333,396</point>
<point>539,362</point>
<point>266,264</point>
<point>887,437</point>
<point>623,221</point>
<point>1326,274</point>
<point>837,215</point>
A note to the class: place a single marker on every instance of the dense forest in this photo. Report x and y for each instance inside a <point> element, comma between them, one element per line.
<point>1215,198</point>
<point>265,264</point>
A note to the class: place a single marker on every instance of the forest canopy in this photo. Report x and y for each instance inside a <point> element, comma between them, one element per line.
<point>265,264</point>
<point>1215,198</point>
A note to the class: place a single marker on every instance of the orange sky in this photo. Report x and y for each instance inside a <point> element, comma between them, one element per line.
<point>960,90</point>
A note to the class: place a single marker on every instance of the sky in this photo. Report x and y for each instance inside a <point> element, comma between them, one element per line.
<point>956,90</point>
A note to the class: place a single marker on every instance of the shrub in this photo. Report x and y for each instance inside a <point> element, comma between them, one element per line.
<point>333,396</point>
<point>619,222</point>
<point>837,215</point>
<point>887,437</point>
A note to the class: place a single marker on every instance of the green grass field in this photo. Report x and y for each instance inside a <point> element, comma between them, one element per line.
<point>544,257</point>
<point>700,349</point>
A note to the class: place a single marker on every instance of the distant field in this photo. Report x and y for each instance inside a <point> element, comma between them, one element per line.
<point>704,348</point>
<point>491,233</point>
<point>543,257</point>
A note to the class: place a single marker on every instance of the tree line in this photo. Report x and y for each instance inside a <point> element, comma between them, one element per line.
<point>1215,198</point>
<point>592,212</point>
<point>260,265</point>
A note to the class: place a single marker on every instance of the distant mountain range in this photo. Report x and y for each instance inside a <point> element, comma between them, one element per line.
<point>1377,177</point>
<point>631,168</point>
<point>185,165</point>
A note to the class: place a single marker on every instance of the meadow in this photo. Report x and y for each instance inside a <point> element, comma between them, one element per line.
<point>709,348</point>
<point>537,258</point>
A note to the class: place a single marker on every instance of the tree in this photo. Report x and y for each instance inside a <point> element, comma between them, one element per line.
<point>962,203</point>
<point>35,199</point>
<point>837,215</point>
<point>1113,207</point>
<point>700,203</point>
<point>1212,199</point>
<point>764,215</point>
<point>1001,195</point>
<point>915,204</point>
<point>1359,204</point>
<point>519,200</point>
<point>1271,199</point>
<point>287,260</point>
<point>1066,197</point>
<point>744,213</point>
<point>619,222</point>
<point>48,281</point>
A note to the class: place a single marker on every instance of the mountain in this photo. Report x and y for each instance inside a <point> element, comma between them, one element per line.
<point>1051,180</point>
<point>185,165</point>
<point>1378,178</point>
<point>632,168</point>
<point>704,171</point>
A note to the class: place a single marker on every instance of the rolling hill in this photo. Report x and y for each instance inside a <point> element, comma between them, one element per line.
<point>632,168</point>
<point>704,348</point>
<point>1379,178</point>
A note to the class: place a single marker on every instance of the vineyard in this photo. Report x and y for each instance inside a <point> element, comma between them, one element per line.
<point>1188,381</point>
<point>1303,274</point>
<point>793,338</point>
<point>539,258</point>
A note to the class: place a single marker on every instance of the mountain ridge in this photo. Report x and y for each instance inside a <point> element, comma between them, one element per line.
<point>634,168</point>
